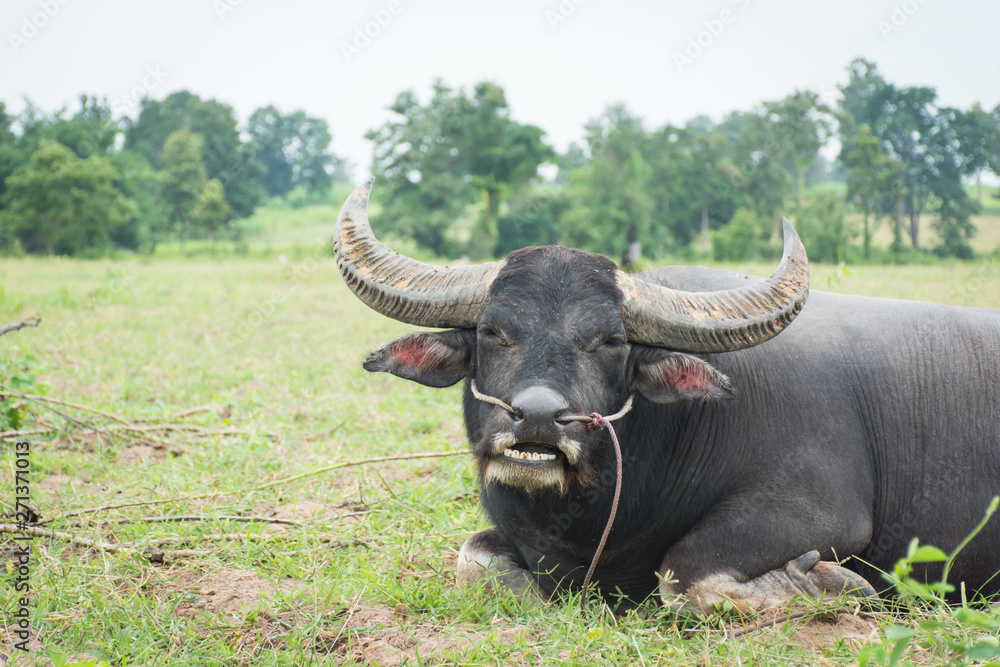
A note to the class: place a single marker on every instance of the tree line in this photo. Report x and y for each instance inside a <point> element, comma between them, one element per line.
<point>83,182</point>
<point>459,175</point>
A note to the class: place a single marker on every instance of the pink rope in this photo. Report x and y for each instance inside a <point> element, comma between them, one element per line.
<point>599,423</point>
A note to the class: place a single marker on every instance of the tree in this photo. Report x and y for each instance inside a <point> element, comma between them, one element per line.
<point>226,156</point>
<point>993,150</point>
<point>58,203</point>
<point>90,131</point>
<point>293,150</point>
<point>211,210</point>
<point>872,180</point>
<point>10,151</point>
<point>182,181</point>
<point>763,180</point>
<point>139,182</point>
<point>802,122</point>
<point>821,222</point>
<point>500,155</point>
<point>978,133</point>
<point>741,239</point>
<point>532,218</point>
<point>611,206</point>
<point>922,139</point>
<point>416,161</point>
<point>664,153</point>
<point>432,159</point>
<point>710,174</point>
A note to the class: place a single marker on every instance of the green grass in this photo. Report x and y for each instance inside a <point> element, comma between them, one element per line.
<point>275,349</point>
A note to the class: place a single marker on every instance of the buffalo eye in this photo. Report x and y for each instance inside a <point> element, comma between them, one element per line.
<point>489,334</point>
<point>614,341</point>
<point>605,343</point>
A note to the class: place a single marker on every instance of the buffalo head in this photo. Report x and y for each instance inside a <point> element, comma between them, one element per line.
<point>555,332</point>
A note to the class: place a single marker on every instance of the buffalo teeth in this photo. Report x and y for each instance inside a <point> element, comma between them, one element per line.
<point>528,456</point>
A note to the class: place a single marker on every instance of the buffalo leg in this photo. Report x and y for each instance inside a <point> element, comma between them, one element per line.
<point>805,575</point>
<point>489,560</point>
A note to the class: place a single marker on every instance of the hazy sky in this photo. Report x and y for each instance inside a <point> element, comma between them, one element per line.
<point>561,62</point>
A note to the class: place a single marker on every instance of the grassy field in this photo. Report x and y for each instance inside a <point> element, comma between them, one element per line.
<point>271,554</point>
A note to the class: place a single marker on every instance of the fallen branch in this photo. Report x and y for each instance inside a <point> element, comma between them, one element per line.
<point>30,322</point>
<point>194,428</point>
<point>55,401</point>
<point>293,478</point>
<point>138,503</point>
<point>238,537</point>
<point>199,517</point>
<point>177,415</point>
<point>62,414</point>
<point>68,537</point>
<point>348,464</point>
<point>14,435</point>
<point>136,433</point>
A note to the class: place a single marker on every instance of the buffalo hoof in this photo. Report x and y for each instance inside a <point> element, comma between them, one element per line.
<point>806,575</point>
<point>489,561</point>
<point>817,577</point>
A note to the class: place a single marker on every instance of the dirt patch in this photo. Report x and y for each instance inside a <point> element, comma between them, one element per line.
<point>821,633</point>
<point>390,636</point>
<point>9,639</point>
<point>308,511</point>
<point>228,593</point>
<point>56,485</point>
<point>818,633</point>
<point>351,633</point>
<point>134,454</point>
<point>313,510</point>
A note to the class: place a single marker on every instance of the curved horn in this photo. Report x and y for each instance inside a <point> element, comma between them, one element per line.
<point>403,288</point>
<point>721,321</point>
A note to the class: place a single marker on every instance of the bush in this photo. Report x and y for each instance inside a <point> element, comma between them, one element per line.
<point>822,224</point>
<point>745,237</point>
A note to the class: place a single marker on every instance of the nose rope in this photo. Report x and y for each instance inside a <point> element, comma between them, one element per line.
<point>596,422</point>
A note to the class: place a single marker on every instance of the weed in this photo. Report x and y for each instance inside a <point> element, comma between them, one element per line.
<point>950,635</point>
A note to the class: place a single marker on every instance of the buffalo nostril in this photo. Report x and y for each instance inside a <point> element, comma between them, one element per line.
<point>539,407</point>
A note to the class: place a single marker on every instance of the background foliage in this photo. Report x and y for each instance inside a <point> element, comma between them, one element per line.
<point>459,175</point>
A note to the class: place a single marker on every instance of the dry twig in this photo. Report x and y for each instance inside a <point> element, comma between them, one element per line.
<point>285,480</point>
<point>200,517</point>
<point>14,435</point>
<point>30,322</point>
<point>177,415</point>
<point>55,401</point>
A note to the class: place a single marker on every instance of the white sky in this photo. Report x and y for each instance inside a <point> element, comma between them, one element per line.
<point>250,53</point>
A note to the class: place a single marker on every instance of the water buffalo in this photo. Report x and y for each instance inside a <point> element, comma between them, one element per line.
<point>753,461</point>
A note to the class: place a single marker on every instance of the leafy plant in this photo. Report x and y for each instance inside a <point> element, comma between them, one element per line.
<point>956,635</point>
<point>17,372</point>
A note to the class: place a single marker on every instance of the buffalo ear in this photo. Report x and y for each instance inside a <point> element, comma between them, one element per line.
<point>438,359</point>
<point>670,377</point>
